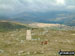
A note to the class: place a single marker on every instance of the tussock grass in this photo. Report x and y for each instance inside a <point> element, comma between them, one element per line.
<point>14,43</point>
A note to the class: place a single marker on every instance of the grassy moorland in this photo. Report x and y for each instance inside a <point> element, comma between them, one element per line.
<point>14,43</point>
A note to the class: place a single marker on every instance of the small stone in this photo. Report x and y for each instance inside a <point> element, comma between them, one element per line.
<point>35,52</point>
<point>12,35</point>
<point>20,52</point>
<point>1,51</point>
<point>38,38</point>
<point>28,53</point>
<point>22,41</point>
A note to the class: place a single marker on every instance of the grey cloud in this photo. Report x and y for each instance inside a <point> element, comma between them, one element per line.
<point>17,6</point>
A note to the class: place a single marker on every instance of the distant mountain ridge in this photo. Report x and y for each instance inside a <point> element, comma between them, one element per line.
<point>56,17</point>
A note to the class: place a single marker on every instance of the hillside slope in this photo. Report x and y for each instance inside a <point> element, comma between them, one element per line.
<point>6,26</point>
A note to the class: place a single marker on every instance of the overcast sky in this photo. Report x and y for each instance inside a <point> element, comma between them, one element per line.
<point>17,6</point>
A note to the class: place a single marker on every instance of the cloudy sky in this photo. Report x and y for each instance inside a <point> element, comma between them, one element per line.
<point>18,6</point>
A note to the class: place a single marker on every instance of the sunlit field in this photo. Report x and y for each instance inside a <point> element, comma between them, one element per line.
<point>14,43</point>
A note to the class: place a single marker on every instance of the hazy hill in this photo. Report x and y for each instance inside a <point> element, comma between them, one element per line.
<point>52,26</point>
<point>42,25</point>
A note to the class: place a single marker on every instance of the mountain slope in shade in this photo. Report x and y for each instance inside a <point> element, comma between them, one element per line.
<point>7,26</point>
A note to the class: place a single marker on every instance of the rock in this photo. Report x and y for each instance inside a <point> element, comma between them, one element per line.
<point>28,53</point>
<point>20,52</point>
<point>22,41</point>
<point>1,51</point>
